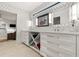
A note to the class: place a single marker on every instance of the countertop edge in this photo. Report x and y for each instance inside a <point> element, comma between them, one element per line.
<point>63,32</point>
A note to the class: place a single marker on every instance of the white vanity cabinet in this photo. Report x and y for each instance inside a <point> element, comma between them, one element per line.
<point>58,45</point>
<point>25,37</point>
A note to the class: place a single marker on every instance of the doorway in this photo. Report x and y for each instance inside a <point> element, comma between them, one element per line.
<point>8,20</point>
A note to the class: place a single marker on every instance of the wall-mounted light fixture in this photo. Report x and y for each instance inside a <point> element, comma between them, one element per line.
<point>29,22</point>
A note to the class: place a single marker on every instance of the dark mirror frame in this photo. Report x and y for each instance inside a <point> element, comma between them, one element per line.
<point>47,20</point>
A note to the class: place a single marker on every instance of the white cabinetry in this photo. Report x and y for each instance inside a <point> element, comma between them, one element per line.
<point>3,34</point>
<point>58,45</point>
<point>43,42</point>
<point>55,44</point>
<point>67,45</point>
<point>24,37</point>
<point>78,45</point>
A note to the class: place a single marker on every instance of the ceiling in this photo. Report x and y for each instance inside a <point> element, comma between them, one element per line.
<point>28,6</point>
<point>7,15</point>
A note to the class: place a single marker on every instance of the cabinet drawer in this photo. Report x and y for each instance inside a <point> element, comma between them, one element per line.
<point>65,43</point>
<point>69,41</point>
<point>52,34</point>
<point>43,38</point>
<point>52,53</point>
<point>53,42</point>
<point>67,51</point>
<point>69,48</point>
<point>68,38</point>
<point>65,55</point>
<point>48,52</point>
<point>53,49</point>
<point>52,38</point>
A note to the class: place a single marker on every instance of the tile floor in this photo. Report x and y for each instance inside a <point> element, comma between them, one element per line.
<point>13,49</point>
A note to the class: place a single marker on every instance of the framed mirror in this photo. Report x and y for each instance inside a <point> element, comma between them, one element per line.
<point>43,20</point>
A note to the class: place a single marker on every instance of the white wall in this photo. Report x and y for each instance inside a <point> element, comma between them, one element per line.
<point>9,21</point>
<point>22,16</point>
<point>8,15</point>
<point>64,15</point>
<point>61,10</point>
<point>21,23</point>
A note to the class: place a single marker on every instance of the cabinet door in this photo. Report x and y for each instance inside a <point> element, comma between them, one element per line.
<point>3,34</point>
<point>24,37</point>
<point>53,50</point>
<point>67,45</point>
<point>53,38</point>
<point>49,44</point>
<point>43,41</point>
<point>77,45</point>
<point>53,44</point>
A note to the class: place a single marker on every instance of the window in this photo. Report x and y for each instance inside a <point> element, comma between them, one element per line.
<point>56,20</point>
<point>74,12</point>
<point>50,18</point>
<point>29,23</point>
<point>36,21</point>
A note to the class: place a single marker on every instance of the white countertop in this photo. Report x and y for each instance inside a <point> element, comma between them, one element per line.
<point>55,32</point>
<point>11,30</point>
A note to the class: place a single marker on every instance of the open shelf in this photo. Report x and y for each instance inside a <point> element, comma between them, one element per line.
<point>34,39</point>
